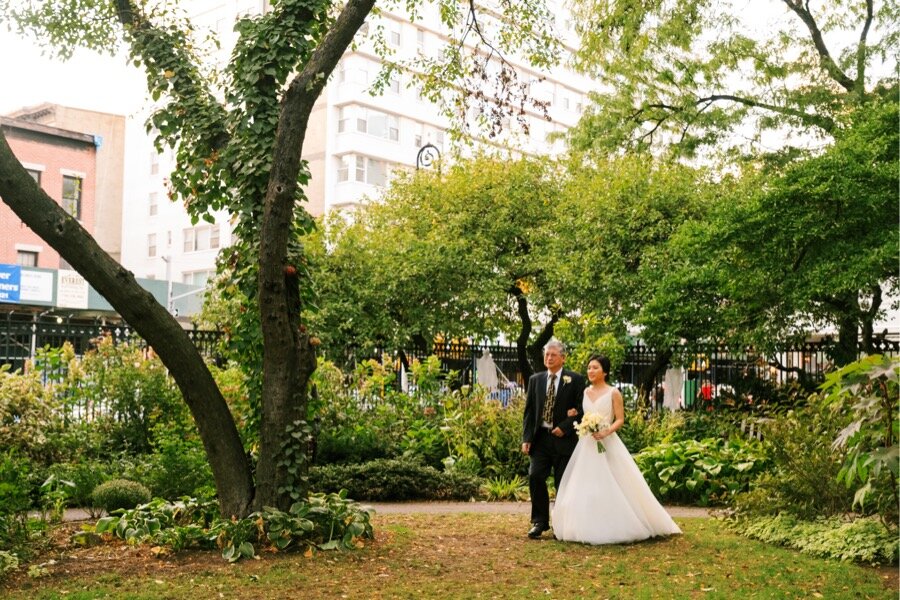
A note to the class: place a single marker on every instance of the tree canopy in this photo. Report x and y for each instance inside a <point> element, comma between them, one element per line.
<point>469,251</point>
<point>793,249</point>
<point>694,77</point>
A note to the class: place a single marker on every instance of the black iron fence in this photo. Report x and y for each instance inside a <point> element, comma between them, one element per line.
<point>463,359</point>
<point>676,378</point>
<point>705,374</point>
<point>21,336</point>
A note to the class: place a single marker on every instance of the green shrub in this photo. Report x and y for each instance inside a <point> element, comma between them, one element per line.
<point>132,390</point>
<point>707,472</point>
<point>15,500</point>
<point>861,540</point>
<point>393,479</point>
<point>27,416</point>
<point>641,431</point>
<point>86,475</point>
<point>505,489</point>
<point>9,562</point>
<point>483,437</point>
<point>177,466</point>
<point>352,444</point>
<point>363,420</point>
<point>869,390</point>
<point>697,425</point>
<point>803,478</point>
<point>326,522</point>
<point>120,493</point>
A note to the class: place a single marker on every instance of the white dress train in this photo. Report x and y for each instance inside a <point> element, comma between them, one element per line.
<point>603,498</point>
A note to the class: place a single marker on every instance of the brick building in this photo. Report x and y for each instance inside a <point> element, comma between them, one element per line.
<point>64,163</point>
<point>108,132</point>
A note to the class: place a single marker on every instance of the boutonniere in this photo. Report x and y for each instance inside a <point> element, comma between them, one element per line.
<point>567,379</point>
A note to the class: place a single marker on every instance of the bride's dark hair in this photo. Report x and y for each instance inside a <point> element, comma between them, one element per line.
<point>604,363</point>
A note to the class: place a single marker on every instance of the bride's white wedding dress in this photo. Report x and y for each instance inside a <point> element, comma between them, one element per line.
<point>603,498</point>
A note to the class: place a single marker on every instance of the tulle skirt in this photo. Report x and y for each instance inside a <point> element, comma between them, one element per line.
<point>603,498</point>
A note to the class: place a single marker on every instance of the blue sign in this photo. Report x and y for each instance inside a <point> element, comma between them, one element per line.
<point>10,283</point>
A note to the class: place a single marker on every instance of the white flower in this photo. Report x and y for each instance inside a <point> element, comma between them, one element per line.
<point>567,379</point>
<point>592,423</point>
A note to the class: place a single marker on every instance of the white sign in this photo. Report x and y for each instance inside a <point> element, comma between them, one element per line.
<point>36,286</point>
<point>71,290</point>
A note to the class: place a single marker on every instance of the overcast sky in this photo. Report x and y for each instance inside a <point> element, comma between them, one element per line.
<point>87,81</point>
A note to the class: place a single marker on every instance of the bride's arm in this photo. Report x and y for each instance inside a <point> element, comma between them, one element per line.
<point>618,411</point>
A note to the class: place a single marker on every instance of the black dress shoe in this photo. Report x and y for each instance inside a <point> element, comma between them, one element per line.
<point>537,529</point>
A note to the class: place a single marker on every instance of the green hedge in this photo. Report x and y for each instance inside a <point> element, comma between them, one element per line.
<point>393,479</point>
<point>120,493</point>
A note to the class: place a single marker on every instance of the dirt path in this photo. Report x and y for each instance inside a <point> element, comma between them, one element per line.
<point>493,507</point>
<point>388,508</point>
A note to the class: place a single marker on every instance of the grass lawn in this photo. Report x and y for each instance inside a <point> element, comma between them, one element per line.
<point>465,556</point>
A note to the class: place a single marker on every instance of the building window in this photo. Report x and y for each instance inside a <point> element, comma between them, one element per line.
<point>154,163</point>
<point>199,278</point>
<point>205,237</point>
<point>363,169</point>
<point>394,83</point>
<point>358,75</point>
<point>35,174</point>
<point>376,172</point>
<point>154,205</point>
<point>353,168</point>
<point>420,39</point>
<point>26,258</point>
<point>373,122</point>
<point>394,34</point>
<point>151,245</point>
<point>383,126</point>
<point>71,196</point>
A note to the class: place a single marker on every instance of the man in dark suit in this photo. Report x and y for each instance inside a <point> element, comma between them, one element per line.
<point>548,433</point>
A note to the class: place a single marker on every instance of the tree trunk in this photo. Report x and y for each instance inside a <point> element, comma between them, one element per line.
<point>868,321</point>
<point>536,349</point>
<point>137,306</point>
<point>524,333</point>
<point>845,351</point>
<point>646,381</point>
<point>289,358</point>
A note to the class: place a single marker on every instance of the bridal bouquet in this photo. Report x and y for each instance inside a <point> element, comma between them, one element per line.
<point>593,423</point>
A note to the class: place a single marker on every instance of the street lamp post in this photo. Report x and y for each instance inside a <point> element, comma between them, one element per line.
<point>427,156</point>
<point>168,261</point>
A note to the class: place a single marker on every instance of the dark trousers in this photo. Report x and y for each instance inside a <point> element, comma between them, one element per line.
<point>547,453</point>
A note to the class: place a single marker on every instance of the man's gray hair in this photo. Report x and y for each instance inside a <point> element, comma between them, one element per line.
<point>555,343</point>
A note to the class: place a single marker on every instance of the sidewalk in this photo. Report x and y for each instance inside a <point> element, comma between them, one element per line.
<point>523,508</point>
<point>446,508</point>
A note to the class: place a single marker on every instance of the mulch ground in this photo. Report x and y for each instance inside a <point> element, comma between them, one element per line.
<point>66,560</point>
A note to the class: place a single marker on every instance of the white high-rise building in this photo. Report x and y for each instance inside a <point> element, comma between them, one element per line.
<point>354,141</point>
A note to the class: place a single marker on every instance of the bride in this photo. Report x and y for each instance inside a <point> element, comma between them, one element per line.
<point>603,498</point>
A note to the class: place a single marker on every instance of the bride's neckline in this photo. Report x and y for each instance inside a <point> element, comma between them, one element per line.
<point>601,393</point>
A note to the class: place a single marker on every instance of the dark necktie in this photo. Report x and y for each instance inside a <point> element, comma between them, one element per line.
<point>551,400</point>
